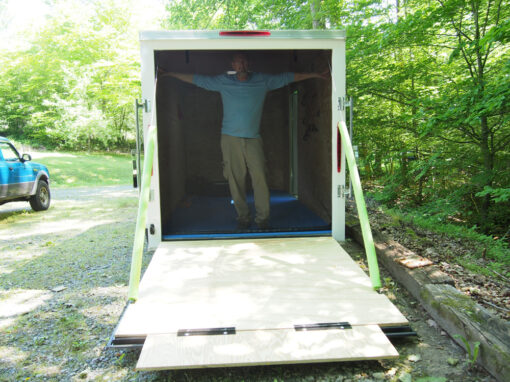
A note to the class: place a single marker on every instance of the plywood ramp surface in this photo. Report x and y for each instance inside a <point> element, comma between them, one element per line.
<point>169,318</point>
<point>253,284</point>
<point>263,347</point>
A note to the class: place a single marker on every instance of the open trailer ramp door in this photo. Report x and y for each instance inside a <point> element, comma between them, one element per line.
<point>250,302</point>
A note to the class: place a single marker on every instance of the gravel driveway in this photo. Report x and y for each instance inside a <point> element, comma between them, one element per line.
<point>63,286</point>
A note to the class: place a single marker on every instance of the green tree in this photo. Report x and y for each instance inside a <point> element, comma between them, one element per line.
<point>465,98</point>
<point>254,14</point>
<point>434,81</point>
<point>74,85</point>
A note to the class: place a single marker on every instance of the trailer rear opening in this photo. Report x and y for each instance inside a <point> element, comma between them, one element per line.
<point>295,128</point>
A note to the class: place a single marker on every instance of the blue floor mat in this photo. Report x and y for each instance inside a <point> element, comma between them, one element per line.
<point>208,216</point>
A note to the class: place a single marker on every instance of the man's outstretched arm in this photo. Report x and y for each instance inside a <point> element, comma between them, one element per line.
<point>305,76</point>
<point>180,76</point>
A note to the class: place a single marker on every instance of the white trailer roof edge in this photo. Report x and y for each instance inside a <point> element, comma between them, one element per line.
<point>215,34</point>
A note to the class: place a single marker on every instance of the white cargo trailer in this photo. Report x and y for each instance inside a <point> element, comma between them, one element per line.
<point>214,295</point>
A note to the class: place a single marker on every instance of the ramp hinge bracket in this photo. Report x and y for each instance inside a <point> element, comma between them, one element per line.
<point>322,326</point>
<point>206,331</point>
<point>343,191</point>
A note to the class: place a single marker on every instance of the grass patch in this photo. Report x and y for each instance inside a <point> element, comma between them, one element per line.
<point>86,169</point>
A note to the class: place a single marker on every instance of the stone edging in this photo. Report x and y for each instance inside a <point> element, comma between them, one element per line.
<point>455,312</point>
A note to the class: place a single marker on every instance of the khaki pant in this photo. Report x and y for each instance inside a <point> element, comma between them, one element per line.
<point>239,156</point>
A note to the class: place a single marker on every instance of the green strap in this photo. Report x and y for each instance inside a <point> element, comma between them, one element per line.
<point>141,220</point>
<point>368,240</point>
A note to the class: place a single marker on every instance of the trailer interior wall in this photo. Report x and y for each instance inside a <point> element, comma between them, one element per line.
<point>189,123</point>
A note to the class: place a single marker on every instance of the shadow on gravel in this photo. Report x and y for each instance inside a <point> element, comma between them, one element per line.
<point>74,259</point>
<point>15,211</point>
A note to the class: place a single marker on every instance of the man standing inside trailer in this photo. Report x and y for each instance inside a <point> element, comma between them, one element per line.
<point>243,95</point>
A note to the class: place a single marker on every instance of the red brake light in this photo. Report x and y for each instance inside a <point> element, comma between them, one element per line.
<point>245,33</point>
<point>338,151</point>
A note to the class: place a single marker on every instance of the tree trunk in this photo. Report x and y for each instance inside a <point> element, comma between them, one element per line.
<point>314,9</point>
<point>488,166</point>
<point>422,180</point>
<point>404,169</point>
<point>487,155</point>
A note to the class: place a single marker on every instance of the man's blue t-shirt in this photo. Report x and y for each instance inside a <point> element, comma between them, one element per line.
<point>242,100</point>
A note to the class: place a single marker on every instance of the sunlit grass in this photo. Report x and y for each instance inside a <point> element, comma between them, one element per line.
<point>86,169</point>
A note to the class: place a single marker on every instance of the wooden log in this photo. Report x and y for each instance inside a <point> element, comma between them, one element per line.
<point>389,253</point>
<point>455,312</point>
<point>459,315</point>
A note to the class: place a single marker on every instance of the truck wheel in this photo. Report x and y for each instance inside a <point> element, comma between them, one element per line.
<point>41,200</point>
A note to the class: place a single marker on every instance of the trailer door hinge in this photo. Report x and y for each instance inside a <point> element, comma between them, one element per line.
<point>341,103</point>
<point>343,191</point>
<point>344,103</point>
<point>145,104</point>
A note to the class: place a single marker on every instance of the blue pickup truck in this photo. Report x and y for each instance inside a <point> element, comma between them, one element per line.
<point>21,179</point>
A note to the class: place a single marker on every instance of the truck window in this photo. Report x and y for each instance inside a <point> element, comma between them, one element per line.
<point>8,152</point>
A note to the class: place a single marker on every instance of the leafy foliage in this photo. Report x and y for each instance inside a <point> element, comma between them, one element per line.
<point>432,91</point>
<point>254,14</point>
<point>472,352</point>
<point>73,86</point>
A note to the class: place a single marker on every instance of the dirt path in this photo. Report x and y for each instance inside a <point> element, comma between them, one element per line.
<point>63,285</point>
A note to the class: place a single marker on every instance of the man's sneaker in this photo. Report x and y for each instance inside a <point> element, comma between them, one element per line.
<point>264,225</point>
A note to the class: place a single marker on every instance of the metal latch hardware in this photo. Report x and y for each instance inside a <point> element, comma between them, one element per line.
<point>323,326</point>
<point>206,332</point>
<point>145,103</point>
